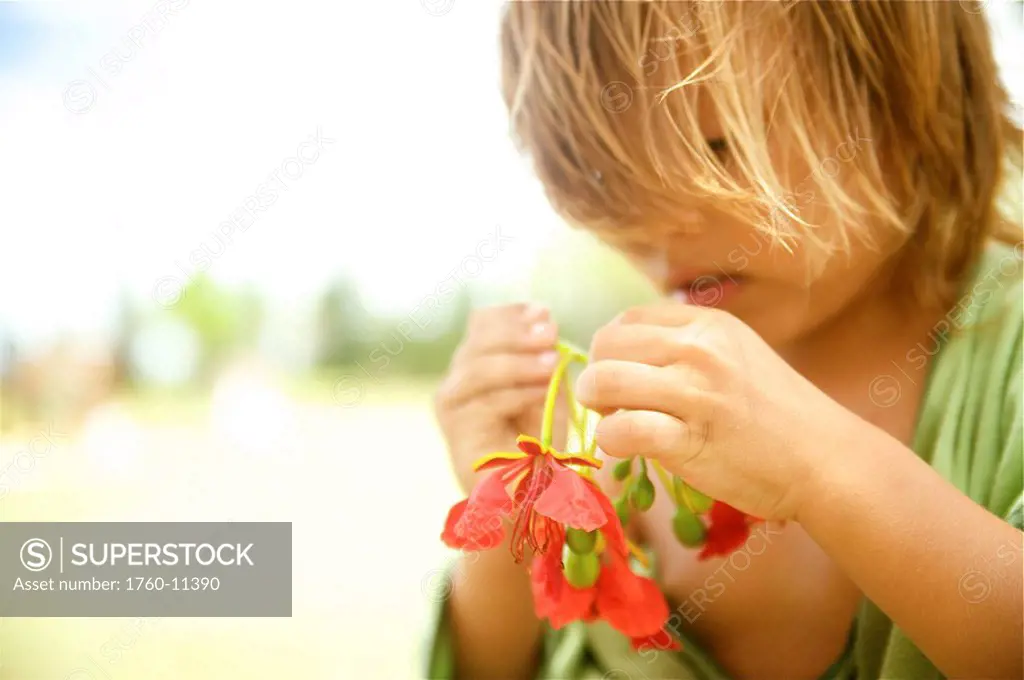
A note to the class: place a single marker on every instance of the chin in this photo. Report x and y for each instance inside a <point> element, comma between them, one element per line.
<point>779,318</point>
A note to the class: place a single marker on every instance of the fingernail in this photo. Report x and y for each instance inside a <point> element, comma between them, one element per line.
<point>549,358</point>
<point>539,329</point>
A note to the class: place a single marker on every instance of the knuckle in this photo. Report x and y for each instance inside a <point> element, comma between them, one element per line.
<point>445,396</point>
<point>633,315</point>
<point>497,311</point>
<point>696,354</point>
<point>675,343</point>
<point>495,368</point>
<point>604,339</point>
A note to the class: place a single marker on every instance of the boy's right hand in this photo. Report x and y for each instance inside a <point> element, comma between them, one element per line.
<point>496,384</point>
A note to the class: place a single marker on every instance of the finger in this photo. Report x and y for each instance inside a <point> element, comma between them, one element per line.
<point>497,371</point>
<point>650,434</point>
<point>645,344</point>
<point>663,313</point>
<point>509,328</point>
<point>610,385</point>
<point>512,402</point>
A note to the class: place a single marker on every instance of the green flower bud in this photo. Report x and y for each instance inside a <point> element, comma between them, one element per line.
<point>690,497</point>
<point>688,528</point>
<point>642,494</point>
<point>581,571</point>
<point>580,542</point>
<point>622,468</point>
<point>622,509</point>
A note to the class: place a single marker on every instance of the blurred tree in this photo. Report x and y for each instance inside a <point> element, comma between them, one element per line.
<point>342,325</point>
<point>585,284</point>
<point>127,324</point>
<point>225,321</point>
<point>431,335</point>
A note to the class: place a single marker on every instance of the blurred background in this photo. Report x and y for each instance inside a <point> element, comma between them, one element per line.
<point>239,244</point>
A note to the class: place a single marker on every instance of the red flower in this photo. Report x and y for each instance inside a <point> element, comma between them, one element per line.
<point>546,495</point>
<point>728,530</point>
<point>662,640</point>
<point>630,603</point>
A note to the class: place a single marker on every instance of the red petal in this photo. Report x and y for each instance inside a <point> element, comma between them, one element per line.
<point>570,500</point>
<point>632,604</point>
<point>553,597</point>
<point>576,459</point>
<point>490,495</point>
<point>728,530</point>
<point>723,513</point>
<point>661,641</point>
<point>498,460</point>
<point>616,585</point>
<point>454,515</point>
<point>614,535</point>
<point>529,445</point>
<point>724,539</point>
<point>480,525</point>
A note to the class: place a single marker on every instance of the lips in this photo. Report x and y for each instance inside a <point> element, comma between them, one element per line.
<point>708,290</point>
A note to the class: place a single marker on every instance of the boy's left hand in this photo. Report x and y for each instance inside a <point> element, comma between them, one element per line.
<point>699,391</point>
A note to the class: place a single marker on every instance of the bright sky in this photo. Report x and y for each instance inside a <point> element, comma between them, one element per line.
<point>121,159</point>
<point>172,138</point>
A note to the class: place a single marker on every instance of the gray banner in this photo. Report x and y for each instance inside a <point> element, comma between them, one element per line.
<point>145,569</point>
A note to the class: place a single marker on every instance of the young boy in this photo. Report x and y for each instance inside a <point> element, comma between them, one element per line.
<point>814,186</point>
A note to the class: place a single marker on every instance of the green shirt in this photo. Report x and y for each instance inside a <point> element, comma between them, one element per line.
<point>969,430</point>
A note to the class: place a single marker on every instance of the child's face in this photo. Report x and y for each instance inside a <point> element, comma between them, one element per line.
<point>715,260</point>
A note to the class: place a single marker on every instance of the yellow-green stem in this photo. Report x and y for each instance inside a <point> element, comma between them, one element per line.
<point>569,355</point>
<point>669,483</point>
<point>548,424</point>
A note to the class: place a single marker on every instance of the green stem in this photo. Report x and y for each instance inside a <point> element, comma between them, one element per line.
<point>548,424</point>
<point>569,355</point>
<point>570,349</point>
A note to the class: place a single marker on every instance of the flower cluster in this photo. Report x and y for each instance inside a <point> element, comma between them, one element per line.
<point>699,521</point>
<point>581,567</point>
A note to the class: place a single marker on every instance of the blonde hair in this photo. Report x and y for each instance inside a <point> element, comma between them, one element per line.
<point>604,96</point>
